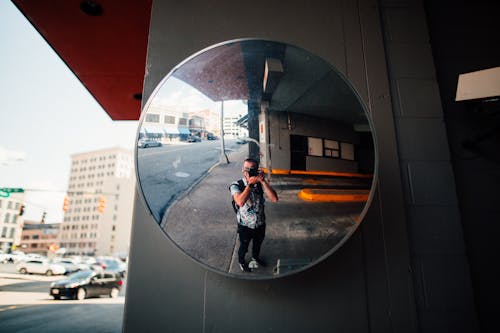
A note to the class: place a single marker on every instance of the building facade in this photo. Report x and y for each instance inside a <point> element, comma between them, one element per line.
<point>98,218</point>
<point>231,127</point>
<point>11,222</point>
<point>40,238</point>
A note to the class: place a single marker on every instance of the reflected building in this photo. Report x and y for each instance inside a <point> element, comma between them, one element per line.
<point>165,124</point>
<point>100,193</point>
<point>197,125</point>
<point>211,120</point>
<point>232,128</point>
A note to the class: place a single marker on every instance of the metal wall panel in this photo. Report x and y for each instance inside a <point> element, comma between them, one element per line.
<point>417,98</point>
<point>422,139</point>
<point>439,264</point>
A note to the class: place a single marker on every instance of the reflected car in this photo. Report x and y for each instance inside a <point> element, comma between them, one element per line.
<point>85,284</point>
<point>145,143</point>
<point>40,267</point>
<point>241,141</point>
<point>193,138</point>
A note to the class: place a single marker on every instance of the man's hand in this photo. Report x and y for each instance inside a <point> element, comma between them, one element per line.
<point>256,179</point>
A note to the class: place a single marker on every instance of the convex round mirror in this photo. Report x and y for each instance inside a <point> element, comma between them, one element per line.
<point>291,112</point>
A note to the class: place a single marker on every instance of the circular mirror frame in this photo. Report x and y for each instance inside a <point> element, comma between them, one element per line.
<point>317,260</point>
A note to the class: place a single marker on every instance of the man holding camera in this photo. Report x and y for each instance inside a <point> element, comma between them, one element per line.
<point>248,195</point>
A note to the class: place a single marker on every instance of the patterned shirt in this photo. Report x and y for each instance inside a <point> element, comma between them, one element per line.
<point>251,214</point>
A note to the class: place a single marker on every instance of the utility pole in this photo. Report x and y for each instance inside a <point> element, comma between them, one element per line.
<point>223,156</point>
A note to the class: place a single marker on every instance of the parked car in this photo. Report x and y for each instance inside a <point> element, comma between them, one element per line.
<point>241,141</point>
<point>4,257</point>
<point>13,257</point>
<point>87,283</point>
<point>70,265</point>
<point>145,143</point>
<point>34,256</point>
<point>40,267</point>
<point>193,138</point>
<point>113,265</point>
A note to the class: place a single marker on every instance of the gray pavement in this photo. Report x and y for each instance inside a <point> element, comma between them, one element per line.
<point>26,306</point>
<point>203,224</point>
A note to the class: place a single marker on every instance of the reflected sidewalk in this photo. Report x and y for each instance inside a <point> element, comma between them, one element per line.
<point>203,224</point>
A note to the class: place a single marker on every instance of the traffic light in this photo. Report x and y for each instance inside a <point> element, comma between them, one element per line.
<point>66,204</point>
<point>21,210</point>
<point>102,204</point>
<point>43,217</point>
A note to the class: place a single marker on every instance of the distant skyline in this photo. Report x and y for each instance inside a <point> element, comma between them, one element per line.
<point>46,116</point>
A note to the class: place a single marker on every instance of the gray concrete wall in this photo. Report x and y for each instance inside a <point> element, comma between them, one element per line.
<point>440,266</point>
<point>311,127</point>
<point>366,286</point>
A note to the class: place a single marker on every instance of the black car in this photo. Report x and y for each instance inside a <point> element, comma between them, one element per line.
<point>88,283</point>
<point>193,138</point>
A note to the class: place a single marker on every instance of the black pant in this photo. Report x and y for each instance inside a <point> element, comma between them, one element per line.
<point>246,235</point>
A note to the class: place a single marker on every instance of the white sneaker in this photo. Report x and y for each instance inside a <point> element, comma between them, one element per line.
<point>253,264</point>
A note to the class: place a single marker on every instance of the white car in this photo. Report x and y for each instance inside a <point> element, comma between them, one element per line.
<point>13,257</point>
<point>145,143</point>
<point>70,265</point>
<point>40,267</point>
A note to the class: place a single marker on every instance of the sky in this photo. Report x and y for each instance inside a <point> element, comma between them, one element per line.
<point>46,115</point>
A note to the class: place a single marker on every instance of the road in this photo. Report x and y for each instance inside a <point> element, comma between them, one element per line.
<point>166,172</point>
<point>25,306</point>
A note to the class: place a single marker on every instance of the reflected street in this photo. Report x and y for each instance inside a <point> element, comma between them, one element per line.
<point>167,171</point>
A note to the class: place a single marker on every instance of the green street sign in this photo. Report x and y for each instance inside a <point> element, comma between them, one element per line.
<point>6,191</point>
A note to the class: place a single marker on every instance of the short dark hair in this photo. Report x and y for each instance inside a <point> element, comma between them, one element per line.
<point>252,160</point>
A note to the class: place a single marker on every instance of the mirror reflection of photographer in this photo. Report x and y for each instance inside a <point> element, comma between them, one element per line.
<point>248,199</point>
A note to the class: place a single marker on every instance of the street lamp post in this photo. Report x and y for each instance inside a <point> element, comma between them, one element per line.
<point>223,156</point>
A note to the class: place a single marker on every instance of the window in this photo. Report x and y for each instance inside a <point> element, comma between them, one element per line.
<point>36,236</point>
<point>12,231</point>
<point>182,121</point>
<point>167,119</point>
<point>9,205</point>
<point>4,232</point>
<point>331,148</point>
<point>6,218</point>
<point>152,118</point>
<point>347,150</point>
<point>315,146</point>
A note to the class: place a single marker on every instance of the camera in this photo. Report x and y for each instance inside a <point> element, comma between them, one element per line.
<point>252,172</point>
